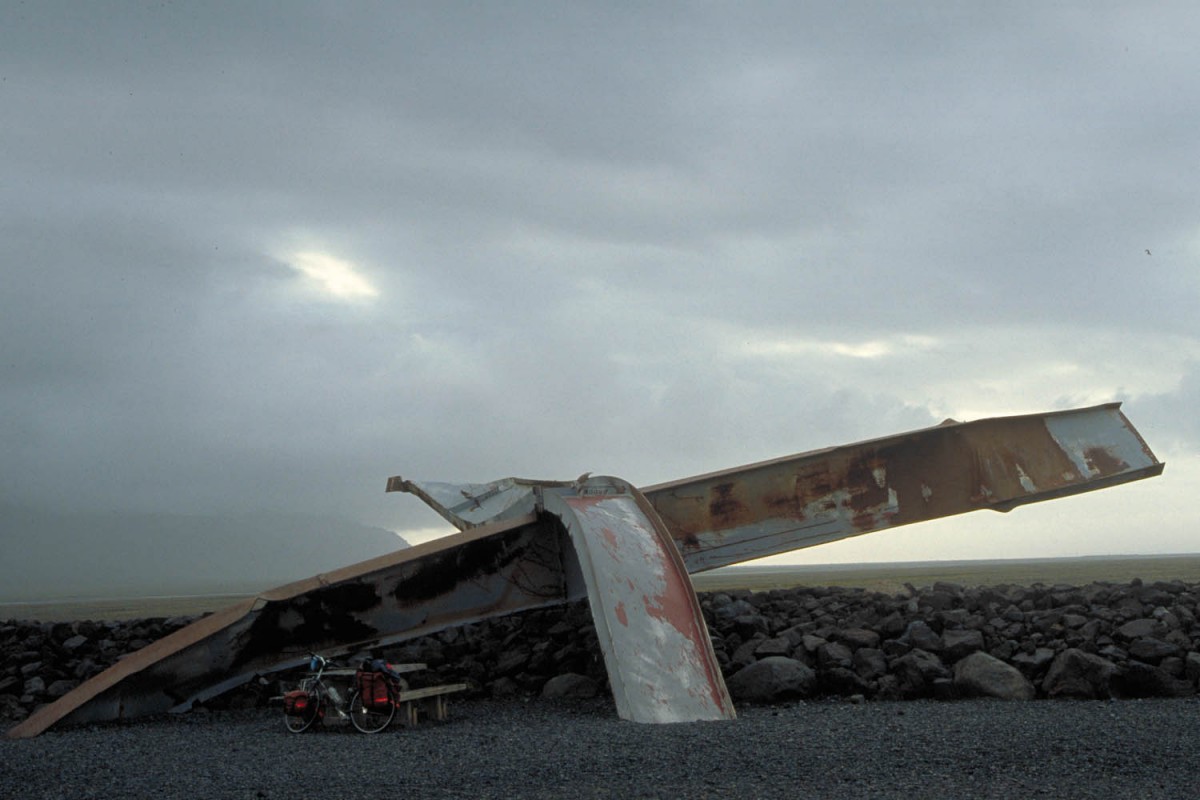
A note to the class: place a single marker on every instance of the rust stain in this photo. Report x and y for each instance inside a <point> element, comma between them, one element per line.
<point>611,544</point>
<point>622,617</point>
<point>1099,460</point>
<point>723,505</point>
<point>866,493</point>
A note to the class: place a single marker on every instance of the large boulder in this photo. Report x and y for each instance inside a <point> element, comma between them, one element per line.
<point>982,675</point>
<point>1080,675</point>
<point>772,678</point>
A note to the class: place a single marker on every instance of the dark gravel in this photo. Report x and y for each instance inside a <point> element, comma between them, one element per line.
<point>964,749</point>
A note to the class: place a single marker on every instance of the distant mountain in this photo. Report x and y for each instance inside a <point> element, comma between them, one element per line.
<point>45,555</point>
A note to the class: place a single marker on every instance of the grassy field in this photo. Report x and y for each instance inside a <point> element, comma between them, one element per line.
<point>891,578</point>
<point>888,578</point>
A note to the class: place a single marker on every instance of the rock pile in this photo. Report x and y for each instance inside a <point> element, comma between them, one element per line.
<point>42,661</point>
<point>1096,641</point>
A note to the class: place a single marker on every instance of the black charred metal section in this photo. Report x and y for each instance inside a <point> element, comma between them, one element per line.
<point>325,615</point>
<point>440,574</point>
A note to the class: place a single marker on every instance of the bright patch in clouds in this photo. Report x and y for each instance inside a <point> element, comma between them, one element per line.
<point>332,276</point>
<point>868,349</point>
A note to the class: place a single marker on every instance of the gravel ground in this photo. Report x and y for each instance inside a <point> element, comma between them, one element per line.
<point>965,749</point>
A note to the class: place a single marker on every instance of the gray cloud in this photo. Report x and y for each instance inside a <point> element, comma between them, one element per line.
<point>647,241</point>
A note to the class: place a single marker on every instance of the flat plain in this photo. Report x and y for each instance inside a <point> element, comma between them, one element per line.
<point>886,578</point>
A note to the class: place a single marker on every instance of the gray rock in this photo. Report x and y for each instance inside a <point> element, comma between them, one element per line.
<point>11,708</point>
<point>1004,650</point>
<point>74,643</point>
<point>1152,650</point>
<point>1166,618</point>
<point>794,634</point>
<point>511,662</point>
<point>891,626</point>
<point>842,681</point>
<point>746,653</point>
<point>833,654</point>
<point>920,636</point>
<point>857,637</point>
<point>59,688</point>
<point>748,625</point>
<point>1172,665</point>
<point>733,609</point>
<point>870,663</point>
<point>812,643</point>
<point>773,678</point>
<point>917,671</point>
<point>777,646</point>
<point>1140,629</point>
<point>958,644</point>
<point>1076,674</point>
<point>938,600</point>
<point>570,685</point>
<point>981,675</point>
<point>1035,662</point>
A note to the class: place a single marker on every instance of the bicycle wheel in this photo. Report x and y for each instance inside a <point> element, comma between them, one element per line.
<point>371,720</point>
<point>299,723</point>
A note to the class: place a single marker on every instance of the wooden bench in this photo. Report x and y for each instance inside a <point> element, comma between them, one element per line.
<point>429,702</point>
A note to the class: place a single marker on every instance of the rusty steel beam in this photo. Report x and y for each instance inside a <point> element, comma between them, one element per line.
<point>822,496</point>
<point>812,498</point>
<point>516,555</point>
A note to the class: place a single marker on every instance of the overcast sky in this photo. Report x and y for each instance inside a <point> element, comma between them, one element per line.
<point>261,256</point>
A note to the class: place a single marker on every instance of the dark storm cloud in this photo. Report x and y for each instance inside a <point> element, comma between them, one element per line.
<point>648,241</point>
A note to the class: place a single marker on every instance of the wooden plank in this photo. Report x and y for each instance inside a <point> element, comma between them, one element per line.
<point>431,691</point>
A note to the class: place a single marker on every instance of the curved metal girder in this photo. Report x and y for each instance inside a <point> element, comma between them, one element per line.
<point>661,665</point>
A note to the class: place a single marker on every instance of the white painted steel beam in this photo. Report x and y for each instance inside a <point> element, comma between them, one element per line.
<point>659,657</point>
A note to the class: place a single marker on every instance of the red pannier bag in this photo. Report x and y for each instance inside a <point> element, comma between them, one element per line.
<point>295,703</point>
<point>373,686</point>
